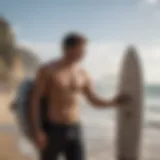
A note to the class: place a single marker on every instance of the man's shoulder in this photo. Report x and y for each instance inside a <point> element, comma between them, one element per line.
<point>83,71</point>
<point>48,64</point>
<point>45,67</point>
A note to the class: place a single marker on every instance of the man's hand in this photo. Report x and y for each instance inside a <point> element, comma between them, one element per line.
<point>121,99</point>
<point>40,140</point>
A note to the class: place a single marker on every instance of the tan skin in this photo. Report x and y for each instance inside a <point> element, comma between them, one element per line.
<point>63,81</point>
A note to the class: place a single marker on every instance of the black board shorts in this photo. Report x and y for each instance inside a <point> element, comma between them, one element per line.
<point>65,140</point>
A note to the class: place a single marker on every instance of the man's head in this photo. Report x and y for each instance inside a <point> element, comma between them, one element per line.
<point>74,46</point>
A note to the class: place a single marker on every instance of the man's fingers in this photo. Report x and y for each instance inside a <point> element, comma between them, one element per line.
<point>124,98</point>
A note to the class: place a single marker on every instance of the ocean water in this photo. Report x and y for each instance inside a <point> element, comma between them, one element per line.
<point>152,106</point>
<point>100,124</point>
<point>105,117</point>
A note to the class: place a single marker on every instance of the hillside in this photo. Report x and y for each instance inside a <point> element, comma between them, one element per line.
<point>15,62</point>
<point>29,59</point>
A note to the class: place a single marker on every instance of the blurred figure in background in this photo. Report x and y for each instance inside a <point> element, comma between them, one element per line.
<point>61,81</point>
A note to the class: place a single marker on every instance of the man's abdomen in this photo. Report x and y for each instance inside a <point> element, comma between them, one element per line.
<point>63,114</point>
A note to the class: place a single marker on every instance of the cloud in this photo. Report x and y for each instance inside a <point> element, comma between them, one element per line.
<point>105,58</point>
<point>102,58</point>
<point>44,50</point>
<point>152,1</point>
<point>150,60</point>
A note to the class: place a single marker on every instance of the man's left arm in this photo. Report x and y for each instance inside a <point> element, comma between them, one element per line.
<point>97,101</point>
<point>93,98</point>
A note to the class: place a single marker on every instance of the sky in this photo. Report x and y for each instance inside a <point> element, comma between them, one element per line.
<point>110,26</point>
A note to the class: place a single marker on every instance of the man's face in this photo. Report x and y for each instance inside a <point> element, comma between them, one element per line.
<point>76,53</point>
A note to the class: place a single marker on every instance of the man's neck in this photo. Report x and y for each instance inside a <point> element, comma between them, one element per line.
<point>69,63</point>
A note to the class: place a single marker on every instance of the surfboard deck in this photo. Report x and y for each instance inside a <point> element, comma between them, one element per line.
<point>129,116</point>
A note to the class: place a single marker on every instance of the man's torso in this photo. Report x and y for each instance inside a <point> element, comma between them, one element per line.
<point>64,86</point>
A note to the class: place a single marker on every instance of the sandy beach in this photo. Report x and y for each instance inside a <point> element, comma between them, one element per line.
<point>8,136</point>
<point>100,141</point>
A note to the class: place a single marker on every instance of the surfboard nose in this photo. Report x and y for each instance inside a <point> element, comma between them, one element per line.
<point>132,51</point>
<point>131,54</point>
<point>132,48</point>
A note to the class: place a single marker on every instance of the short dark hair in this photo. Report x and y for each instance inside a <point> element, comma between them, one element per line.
<point>73,39</point>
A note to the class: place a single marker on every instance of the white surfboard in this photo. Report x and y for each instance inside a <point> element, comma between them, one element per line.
<point>130,115</point>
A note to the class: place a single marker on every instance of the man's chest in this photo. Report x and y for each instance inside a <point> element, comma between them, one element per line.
<point>67,80</point>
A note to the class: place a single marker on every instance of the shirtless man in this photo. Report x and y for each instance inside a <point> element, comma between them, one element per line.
<point>62,82</point>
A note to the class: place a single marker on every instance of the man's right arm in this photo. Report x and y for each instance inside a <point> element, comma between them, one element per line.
<point>37,93</point>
